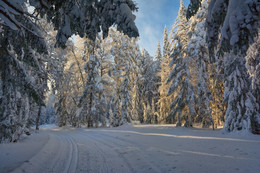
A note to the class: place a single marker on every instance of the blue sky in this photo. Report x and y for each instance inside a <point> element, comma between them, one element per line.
<point>151,18</point>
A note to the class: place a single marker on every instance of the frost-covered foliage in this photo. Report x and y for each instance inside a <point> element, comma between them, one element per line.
<point>164,71</point>
<point>84,18</point>
<point>116,56</point>
<point>90,98</point>
<point>71,83</point>
<point>193,8</point>
<point>180,78</point>
<point>179,30</point>
<point>238,21</point>
<point>197,50</point>
<point>157,80</point>
<point>158,56</point>
<point>232,26</point>
<point>242,111</point>
<point>253,68</point>
<point>123,52</point>
<point>166,43</point>
<point>253,63</point>
<point>48,115</point>
<point>23,78</point>
<point>28,57</point>
<point>147,88</point>
<point>126,98</point>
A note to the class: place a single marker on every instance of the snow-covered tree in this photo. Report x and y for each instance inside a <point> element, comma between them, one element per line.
<point>166,43</point>
<point>216,85</point>
<point>242,111</point>
<point>238,21</point>
<point>84,18</point>
<point>197,50</point>
<point>147,87</point>
<point>23,78</point>
<point>164,100</point>
<point>126,97</point>
<point>253,63</point>
<point>123,54</point>
<point>253,68</point>
<point>181,88</point>
<point>91,95</point>
<point>48,115</point>
<point>157,80</point>
<point>24,51</point>
<point>193,8</point>
<point>67,79</point>
<point>103,54</point>
<point>158,56</point>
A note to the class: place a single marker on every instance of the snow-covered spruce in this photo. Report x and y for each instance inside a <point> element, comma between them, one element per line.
<point>84,18</point>
<point>238,21</point>
<point>23,51</point>
<point>180,77</point>
<point>242,111</point>
<point>197,50</point>
<point>164,100</point>
<point>253,63</point>
<point>90,100</point>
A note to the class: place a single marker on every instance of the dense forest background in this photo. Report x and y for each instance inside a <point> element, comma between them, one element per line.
<point>78,63</point>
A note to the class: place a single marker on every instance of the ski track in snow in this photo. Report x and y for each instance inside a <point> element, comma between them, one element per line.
<point>146,149</point>
<point>59,154</point>
<point>71,165</point>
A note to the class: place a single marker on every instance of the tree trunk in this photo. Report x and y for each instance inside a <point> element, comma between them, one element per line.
<point>38,118</point>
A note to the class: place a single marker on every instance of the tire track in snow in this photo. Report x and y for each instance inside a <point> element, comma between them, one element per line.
<point>120,154</point>
<point>98,152</point>
<point>121,148</point>
<point>138,151</point>
<point>143,157</point>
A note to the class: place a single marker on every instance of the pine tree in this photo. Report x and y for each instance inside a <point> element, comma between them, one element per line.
<point>24,54</point>
<point>216,85</point>
<point>122,50</point>
<point>253,63</point>
<point>242,111</point>
<point>157,80</point>
<point>181,87</point>
<point>137,108</point>
<point>166,44</point>
<point>67,79</point>
<point>164,100</point>
<point>90,98</point>
<point>148,87</point>
<point>126,98</point>
<point>84,18</point>
<point>238,22</point>
<point>158,56</point>
<point>22,66</point>
<point>253,68</point>
<point>193,8</point>
<point>197,50</point>
<point>104,57</point>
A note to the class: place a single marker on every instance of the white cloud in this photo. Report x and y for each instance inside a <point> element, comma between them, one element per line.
<point>148,19</point>
<point>152,16</point>
<point>149,36</point>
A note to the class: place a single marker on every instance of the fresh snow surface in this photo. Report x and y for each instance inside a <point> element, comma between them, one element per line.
<point>138,148</point>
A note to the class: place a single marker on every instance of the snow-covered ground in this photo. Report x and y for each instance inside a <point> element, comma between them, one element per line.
<point>139,148</point>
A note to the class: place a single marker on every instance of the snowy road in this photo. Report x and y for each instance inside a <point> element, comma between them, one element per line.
<point>132,149</point>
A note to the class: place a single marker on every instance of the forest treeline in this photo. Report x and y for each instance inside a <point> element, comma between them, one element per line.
<point>206,72</point>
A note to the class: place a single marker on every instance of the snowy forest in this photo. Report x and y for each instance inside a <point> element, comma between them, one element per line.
<point>78,63</point>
